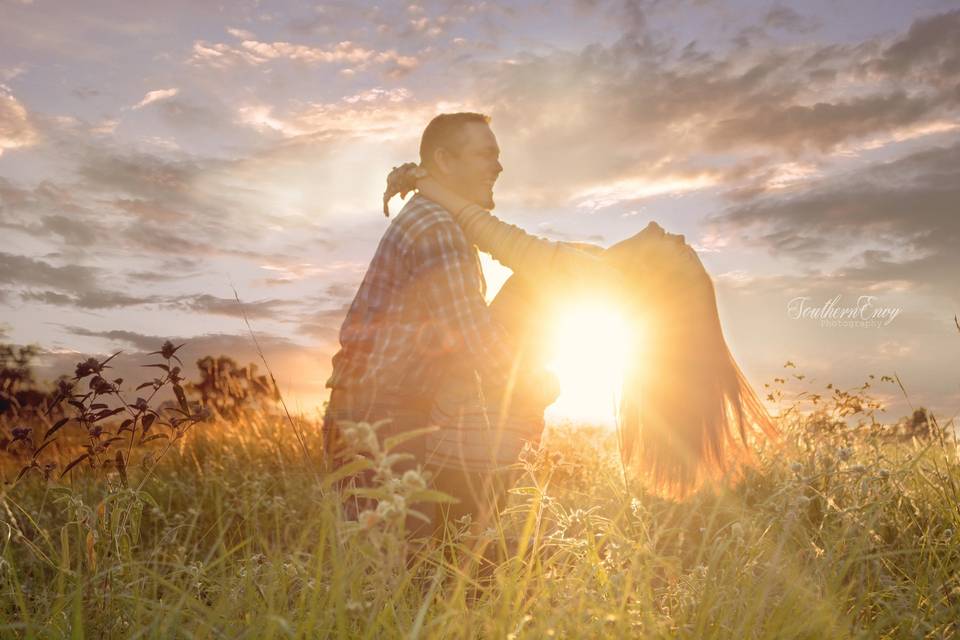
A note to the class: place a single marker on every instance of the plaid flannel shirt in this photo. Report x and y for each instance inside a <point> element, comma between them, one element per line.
<point>420,302</point>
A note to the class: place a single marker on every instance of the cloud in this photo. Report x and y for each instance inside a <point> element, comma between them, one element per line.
<point>787,19</point>
<point>38,281</point>
<point>84,93</point>
<point>256,53</point>
<point>241,34</point>
<point>643,108</point>
<point>376,113</point>
<point>172,269</point>
<point>137,173</point>
<point>931,47</point>
<point>70,285</point>
<point>291,271</point>
<point>145,343</point>
<point>22,270</point>
<point>16,129</point>
<point>608,193</point>
<point>898,216</point>
<point>168,205</point>
<point>46,211</point>
<point>821,126</point>
<point>210,304</point>
<point>124,200</point>
<point>324,325</point>
<point>91,300</point>
<point>181,113</point>
<point>156,96</point>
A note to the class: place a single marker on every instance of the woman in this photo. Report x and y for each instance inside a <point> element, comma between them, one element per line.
<point>688,415</point>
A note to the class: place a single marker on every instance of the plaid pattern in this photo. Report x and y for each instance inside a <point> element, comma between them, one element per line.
<point>480,430</point>
<point>485,425</point>
<point>421,300</point>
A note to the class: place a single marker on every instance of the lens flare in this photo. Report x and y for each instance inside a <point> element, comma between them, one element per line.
<point>590,344</point>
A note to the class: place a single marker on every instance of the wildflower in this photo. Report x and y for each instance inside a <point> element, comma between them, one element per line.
<point>859,468</point>
<point>167,350</point>
<point>883,474</point>
<point>844,453</point>
<point>91,365</point>
<point>737,530</point>
<point>100,385</point>
<point>527,455</point>
<point>413,480</point>
<point>796,467</point>
<point>385,509</point>
<point>361,436</point>
<point>488,534</point>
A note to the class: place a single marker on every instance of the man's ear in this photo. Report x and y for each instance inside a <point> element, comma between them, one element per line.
<point>442,160</point>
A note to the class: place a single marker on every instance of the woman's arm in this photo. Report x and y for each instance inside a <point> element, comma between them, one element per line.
<point>524,253</point>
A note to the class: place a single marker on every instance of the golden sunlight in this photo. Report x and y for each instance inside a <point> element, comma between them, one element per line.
<point>589,346</point>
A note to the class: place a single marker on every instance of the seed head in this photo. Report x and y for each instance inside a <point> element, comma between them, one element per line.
<point>368,519</point>
<point>413,479</point>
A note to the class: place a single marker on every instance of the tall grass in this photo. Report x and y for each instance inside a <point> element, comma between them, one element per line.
<point>841,531</point>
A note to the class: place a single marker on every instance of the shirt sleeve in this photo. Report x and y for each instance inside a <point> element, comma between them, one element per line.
<point>446,269</point>
<point>531,257</point>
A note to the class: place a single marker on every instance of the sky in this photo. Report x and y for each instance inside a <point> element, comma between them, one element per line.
<point>157,158</point>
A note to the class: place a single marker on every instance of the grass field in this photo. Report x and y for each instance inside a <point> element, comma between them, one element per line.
<point>234,532</point>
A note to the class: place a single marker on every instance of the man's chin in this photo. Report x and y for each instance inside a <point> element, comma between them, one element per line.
<point>486,201</point>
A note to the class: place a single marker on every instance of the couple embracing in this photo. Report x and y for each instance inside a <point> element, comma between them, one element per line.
<point>421,347</point>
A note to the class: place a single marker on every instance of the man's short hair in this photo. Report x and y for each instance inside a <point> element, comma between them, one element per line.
<point>446,131</point>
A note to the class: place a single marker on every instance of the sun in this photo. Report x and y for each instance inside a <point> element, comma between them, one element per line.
<point>589,345</point>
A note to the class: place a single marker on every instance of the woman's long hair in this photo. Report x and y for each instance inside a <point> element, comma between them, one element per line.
<point>688,416</point>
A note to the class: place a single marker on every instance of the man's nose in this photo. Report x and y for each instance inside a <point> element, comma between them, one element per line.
<point>499,167</point>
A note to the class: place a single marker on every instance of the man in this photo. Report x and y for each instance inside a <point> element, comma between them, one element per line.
<point>421,303</point>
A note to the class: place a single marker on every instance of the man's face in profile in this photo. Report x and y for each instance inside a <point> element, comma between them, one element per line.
<point>475,166</point>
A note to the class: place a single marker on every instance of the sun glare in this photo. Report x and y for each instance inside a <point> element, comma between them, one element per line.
<point>590,344</point>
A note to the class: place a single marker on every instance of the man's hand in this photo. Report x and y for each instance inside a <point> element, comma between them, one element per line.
<point>539,388</point>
